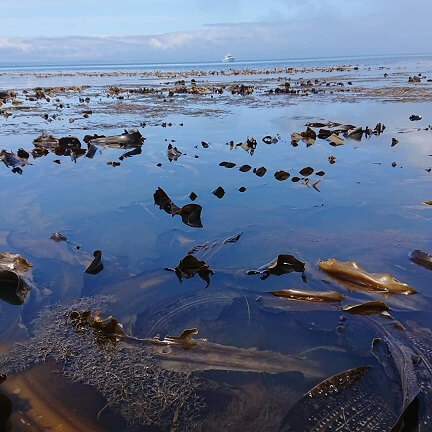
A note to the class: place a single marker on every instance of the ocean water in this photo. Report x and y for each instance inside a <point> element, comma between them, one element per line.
<point>367,207</point>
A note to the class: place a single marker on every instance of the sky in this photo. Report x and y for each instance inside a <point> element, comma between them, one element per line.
<point>170,31</point>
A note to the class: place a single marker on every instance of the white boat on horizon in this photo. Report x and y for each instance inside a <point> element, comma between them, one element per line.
<point>228,58</point>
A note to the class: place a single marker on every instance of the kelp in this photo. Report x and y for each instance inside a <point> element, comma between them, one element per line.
<point>367,308</point>
<point>173,153</point>
<point>132,138</point>
<point>345,402</point>
<point>96,266</point>
<point>280,265</point>
<point>421,258</point>
<point>189,266</point>
<point>11,160</point>
<point>190,213</point>
<point>335,140</point>
<point>14,262</point>
<point>354,274</point>
<point>309,296</point>
<point>127,375</point>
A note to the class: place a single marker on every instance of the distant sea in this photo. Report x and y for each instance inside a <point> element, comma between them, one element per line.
<point>407,59</point>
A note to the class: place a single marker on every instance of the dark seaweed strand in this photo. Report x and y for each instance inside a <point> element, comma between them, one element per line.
<point>126,376</point>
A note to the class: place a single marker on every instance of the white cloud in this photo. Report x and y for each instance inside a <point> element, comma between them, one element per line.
<point>14,44</point>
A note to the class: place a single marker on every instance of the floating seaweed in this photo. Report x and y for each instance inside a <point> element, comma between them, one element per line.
<point>309,296</point>
<point>282,264</point>
<point>354,274</point>
<point>421,258</point>
<point>190,213</point>
<point>189,266</point>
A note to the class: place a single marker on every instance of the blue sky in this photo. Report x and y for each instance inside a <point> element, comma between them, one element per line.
<point>198,30</point>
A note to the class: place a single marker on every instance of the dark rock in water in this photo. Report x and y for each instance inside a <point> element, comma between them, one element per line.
<point>5,412</point>
<point>58,237</point>
<point>219,192</point>
<point>242,189</point>
<point>193,196</point>
<point>96,265</point>
<point>57,161</point>
<point>295,179</point>
<point>13,288</point>
<point>332,160</point>
<point>306,171</point>
<point>415,117</point>
<point>260,171</point>
<point>227,164</point>
<point>21,153</point>
<point>394,164</point>
<point>281,175</point>
<point>245,168</point>
<point>204,144</point>
<point>69,142</point>
<point>394,142</point>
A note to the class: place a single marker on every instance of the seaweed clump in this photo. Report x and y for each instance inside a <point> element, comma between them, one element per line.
<point>126,374</point>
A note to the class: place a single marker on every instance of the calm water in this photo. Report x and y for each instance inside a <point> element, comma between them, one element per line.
<point>364,210</point>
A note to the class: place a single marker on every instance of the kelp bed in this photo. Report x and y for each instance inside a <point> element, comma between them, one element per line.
<point>260,237</point>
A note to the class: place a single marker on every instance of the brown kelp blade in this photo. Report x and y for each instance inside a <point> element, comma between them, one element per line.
<point>345,402</point>
<point>421,258</point>
<point>14,262</point>
<point>354,274</point>
<point>96,265</point>
<point>309,296</point>
<point>367,308</point>
<point>203,355</point>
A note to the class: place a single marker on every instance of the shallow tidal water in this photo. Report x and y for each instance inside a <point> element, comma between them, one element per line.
<point>363,209</point>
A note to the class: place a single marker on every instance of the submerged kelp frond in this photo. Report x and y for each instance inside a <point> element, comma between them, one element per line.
<point>127,376</point>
